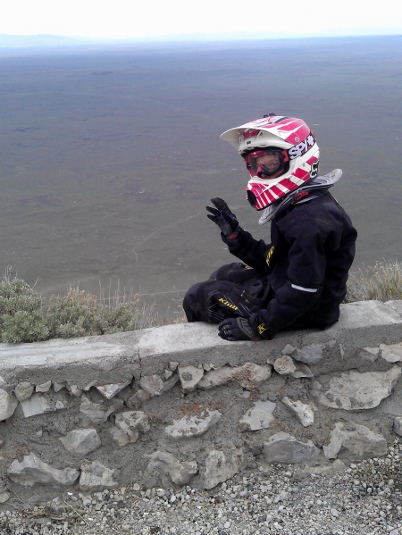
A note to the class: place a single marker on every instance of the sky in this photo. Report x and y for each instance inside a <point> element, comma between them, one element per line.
<point>133,19</point>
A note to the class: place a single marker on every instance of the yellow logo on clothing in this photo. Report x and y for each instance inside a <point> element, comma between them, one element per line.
<point>226,303</point>
<point>270,252</point>
<point>261,328</point>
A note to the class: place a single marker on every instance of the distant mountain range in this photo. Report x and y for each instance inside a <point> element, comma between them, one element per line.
<point>60,41</point>
<point>42,40</point>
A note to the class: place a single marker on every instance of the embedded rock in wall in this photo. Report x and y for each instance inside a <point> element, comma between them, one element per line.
<point>111,390</point>
<point>179,473</point>
<point>81,441</point>
<point>285,365</point>
<point>32,470</point>
<point>24,390</point>
<point>190,376</point>
<point>193,426</point>
<point>250,376</point>
<point>259,416</point>
<point>220,467</point>
<point>309,354</point>
<point>38,404</point>
<point>8,404</point>
<point>360,442</point>
<point>303,411</point>
<point>96,476</point>
<point>353,390</point>
<point>391,353</point>
<point>284,448</point>
<point>152,384</point>
<point>128,426</point>
<point>98,413</point>
<point>398,426</point>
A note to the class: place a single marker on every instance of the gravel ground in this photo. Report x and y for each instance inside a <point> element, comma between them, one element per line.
<point>362,499</point>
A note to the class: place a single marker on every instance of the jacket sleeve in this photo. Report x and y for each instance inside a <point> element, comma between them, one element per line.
<point>249,250</point>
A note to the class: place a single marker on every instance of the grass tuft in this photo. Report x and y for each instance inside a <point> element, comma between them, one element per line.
<point>382,282</point>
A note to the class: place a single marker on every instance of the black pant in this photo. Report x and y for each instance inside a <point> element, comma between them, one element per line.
<point>232,290</point>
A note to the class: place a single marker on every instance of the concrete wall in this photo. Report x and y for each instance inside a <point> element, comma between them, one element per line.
<point>177,405</point>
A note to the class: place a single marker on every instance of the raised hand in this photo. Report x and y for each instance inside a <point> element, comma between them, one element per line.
<point>223,217</point>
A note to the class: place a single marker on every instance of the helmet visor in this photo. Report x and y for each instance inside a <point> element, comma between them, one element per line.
<point>264,162</point>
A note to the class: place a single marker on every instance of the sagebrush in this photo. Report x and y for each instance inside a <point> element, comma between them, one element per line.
<point>25,317</point>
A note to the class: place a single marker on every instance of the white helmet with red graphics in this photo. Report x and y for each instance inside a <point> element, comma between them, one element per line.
<point>281,155</point>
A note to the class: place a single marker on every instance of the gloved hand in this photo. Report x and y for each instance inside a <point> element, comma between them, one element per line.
<point>237,329</point>
<point>223,217</point>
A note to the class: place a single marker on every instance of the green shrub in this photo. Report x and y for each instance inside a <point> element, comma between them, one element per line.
<point>72,315</point>
<point>21,317</point>
<point>24,326</point>
<point>24,318</point>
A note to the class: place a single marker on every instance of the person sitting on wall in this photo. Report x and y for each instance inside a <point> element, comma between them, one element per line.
<point>298,280</point>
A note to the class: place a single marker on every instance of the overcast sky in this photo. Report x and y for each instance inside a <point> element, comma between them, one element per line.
<point>115,19</point>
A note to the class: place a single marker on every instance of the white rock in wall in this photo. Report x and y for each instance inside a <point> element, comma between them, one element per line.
<point>24,390</point>
<point>8,404</point>
<point>260,416</point>
<point>44,387</point>
<point>250,376</point>
<point>110,391</point>
<point>360,442</point>
<point>38,404</point>
<point>98,413</point>
<point>152,384</point>
<point>288,349</point>
<point>32,470</point>
<point>193,426</point>
<point>171,382</point>
<point>131,423</point>
<point>398,426</point>
<point>220,467</point>
<point>353,390</point>
<point>4,497</point>
<point>190,376</point>
<point>95,475</point>
<point>180,473</point>
<point>303,411</point>
<point>391,353</point>
<point>285,365</point>
<point>286,449</point>
<point>310,354</point>
<point>81,441</point>
<point>74,390</point>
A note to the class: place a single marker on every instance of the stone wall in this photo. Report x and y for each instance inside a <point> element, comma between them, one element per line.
<point>177,405</point>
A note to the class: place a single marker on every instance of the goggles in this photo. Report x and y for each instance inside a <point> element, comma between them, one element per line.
<point>265,161</point>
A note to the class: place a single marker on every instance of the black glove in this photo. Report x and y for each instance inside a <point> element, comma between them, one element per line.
<point>237,329</point>
<point>223,217</point>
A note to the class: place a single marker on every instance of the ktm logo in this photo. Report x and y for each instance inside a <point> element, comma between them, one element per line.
<point>227,304</point>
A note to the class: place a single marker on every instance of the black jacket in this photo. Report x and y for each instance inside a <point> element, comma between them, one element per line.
<point>307,263</point>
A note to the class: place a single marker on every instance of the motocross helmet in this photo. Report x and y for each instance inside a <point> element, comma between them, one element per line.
<point>286,140</point>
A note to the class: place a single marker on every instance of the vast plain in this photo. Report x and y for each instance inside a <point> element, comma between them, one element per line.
<point>109,154</point>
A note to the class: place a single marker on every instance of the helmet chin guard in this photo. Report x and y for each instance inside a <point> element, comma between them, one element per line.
<point>290,137</point>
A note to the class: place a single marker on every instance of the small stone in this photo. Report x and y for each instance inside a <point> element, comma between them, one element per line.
<point>44,387</point>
